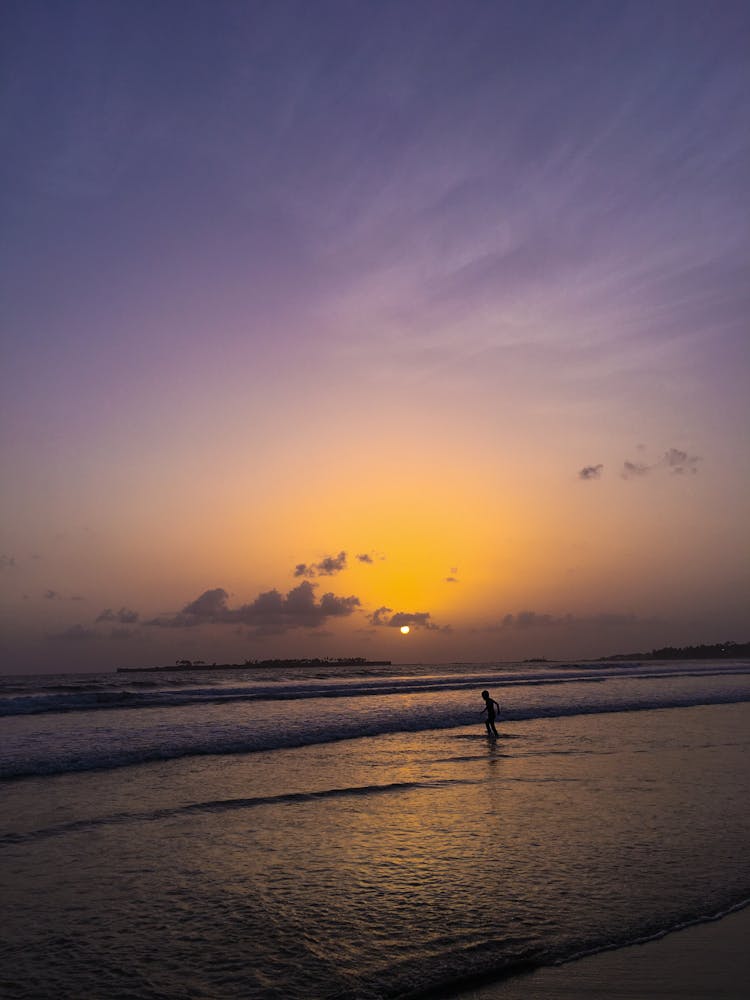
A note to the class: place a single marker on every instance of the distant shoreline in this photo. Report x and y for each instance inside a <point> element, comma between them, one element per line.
<point>720,651</point>
<point>188,667</point>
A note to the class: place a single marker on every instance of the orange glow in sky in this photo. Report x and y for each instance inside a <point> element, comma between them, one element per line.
<point>454,344</point>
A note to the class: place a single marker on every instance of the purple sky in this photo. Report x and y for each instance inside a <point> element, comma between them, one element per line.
<point>457,290</point>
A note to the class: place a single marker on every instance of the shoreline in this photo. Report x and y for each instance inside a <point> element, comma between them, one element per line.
<point>189,668</point>
<point>704,961</point>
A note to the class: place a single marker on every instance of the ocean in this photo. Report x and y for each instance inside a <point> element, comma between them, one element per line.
<point>343,832</point>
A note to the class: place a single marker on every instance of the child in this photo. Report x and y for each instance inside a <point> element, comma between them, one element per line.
<point>489,707</point>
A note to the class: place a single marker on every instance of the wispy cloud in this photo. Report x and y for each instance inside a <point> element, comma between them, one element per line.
<point>630,470</point>
<point>674,461</point>
<point>679,462</point>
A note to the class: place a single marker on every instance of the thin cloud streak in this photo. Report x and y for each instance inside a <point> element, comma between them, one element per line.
<point>674,461</point>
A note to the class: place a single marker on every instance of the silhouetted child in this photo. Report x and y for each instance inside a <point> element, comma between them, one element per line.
<point>489,707</point>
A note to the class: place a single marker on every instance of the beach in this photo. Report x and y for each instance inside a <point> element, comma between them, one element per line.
<point>357,836</point>
<point>709,961</point>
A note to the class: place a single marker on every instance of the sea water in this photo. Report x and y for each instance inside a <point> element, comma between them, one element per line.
<point>351,832</point>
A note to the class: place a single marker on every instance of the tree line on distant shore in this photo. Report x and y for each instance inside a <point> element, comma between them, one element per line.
<point>719,650</point>
<point>306,661</point>
<point>324,661</point>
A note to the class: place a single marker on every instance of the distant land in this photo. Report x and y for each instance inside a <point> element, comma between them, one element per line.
<point>350,661</point>
<point>719,651</point>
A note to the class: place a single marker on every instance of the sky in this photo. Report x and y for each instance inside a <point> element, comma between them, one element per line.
<point>324,319</point>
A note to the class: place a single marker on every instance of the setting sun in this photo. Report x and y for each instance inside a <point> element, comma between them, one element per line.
<point>405,630</point>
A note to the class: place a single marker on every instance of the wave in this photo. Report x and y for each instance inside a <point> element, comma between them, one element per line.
<point>223,805</point>
<point>62,698</point>
<point>268,735</point>
<point>528,960</point>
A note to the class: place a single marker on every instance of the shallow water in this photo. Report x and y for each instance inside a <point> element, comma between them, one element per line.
<point>371,867</point>
<point>60,725</point>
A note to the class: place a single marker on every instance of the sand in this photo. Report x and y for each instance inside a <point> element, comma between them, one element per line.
<point>705,962</point>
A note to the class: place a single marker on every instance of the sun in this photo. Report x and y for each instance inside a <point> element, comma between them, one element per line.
<point>405,630</point>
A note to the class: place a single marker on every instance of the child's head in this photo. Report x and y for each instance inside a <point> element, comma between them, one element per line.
<point>485,694</point>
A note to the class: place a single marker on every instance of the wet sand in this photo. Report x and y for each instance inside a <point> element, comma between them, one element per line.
<point>705,962</point>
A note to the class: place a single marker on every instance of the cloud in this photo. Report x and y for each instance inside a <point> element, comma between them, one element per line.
<point>591,472</point>
<point>414,619</point>
<point>380,616</point>
<point>527,619</point>
<point>679,462</point>
<point>7,562</point>
<point>124,616</point>
<point>75,632</point>
<point>332,564</point>
<point>451,579</point>
<point>332,606</point>
<point>326,567</point>
<point>210,607</point>
<point>632,469</point>
<point>364,557</point>
<point>533,619</point>
<point>270,613</point>
<point>51,595</point>
<point>211,604</point>
<point>674,460</point>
